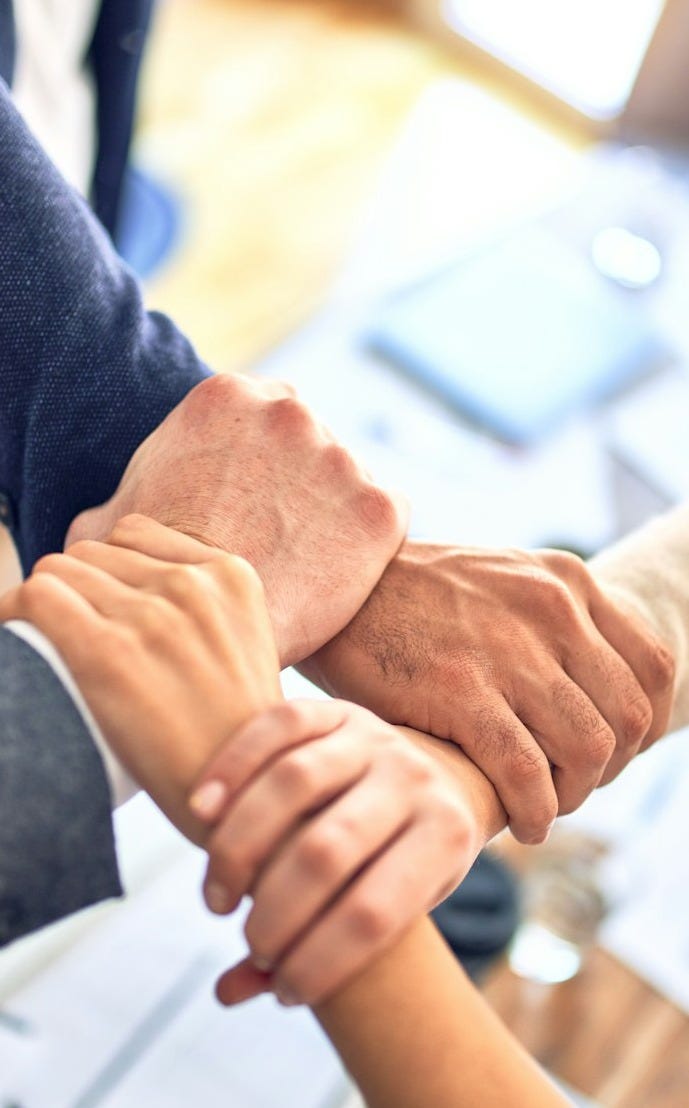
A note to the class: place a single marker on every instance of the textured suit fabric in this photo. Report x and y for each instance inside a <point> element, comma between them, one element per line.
<point>115,56</point>
<point>85,375</point>
<point>56,842</point>
<point>85,372</point>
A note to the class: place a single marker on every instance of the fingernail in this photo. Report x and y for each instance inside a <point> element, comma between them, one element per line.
<point>263,965</point>
<point>209,799</point>
<point>286,997</point>
<point>217,898</point>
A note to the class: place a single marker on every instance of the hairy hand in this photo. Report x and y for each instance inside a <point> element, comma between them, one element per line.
<point>519,658</point>
<point>341,830</point>
<point>242,465</point>
<point>169,641</point>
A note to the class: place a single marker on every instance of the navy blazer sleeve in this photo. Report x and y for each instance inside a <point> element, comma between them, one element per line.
<point>85,372</point>
<point>56,840</point>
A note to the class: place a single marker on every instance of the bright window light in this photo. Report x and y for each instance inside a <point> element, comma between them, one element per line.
<point>587,52</point>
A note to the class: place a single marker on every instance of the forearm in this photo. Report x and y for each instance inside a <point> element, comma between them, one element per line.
<point>413,1030</point>
<point>86,373</point>
<point>649,572</point>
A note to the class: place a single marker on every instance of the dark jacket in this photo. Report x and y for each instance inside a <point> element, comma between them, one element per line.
<point>115,57</point>
<point>85,375</point>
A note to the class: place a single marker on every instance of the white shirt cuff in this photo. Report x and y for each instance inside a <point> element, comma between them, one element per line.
<point>122,786</point>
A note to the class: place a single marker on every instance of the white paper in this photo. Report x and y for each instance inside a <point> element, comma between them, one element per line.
<point>127,1018</point>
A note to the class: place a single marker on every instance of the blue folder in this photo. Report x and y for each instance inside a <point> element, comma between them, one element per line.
<point>519,335</point>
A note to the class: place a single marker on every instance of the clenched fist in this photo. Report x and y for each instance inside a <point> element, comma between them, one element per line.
<point>242,464</point>
<point>519,658</point>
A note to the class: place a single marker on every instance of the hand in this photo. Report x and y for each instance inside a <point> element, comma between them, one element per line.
<point>170,657</point>
<point>342,832</point>
<point>518,658</point>
<point>242,465</point>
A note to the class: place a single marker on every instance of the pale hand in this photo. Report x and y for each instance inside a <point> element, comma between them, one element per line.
<point>342,831</point>
<point>171,658</point>
<point>242,465</point>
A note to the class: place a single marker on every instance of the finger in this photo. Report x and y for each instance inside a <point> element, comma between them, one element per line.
<point>242,982</point>
<point>128,566</point>
<point>511,758</point>
<point>65,617</point>
<point>319,862</point>
<point>366,920</point>
<point>105,594</point>
<point>147,536</point>
<point>646,656</point>
<point>273,732</point>
<point>272,807</point>
<point>612,687</point>
<point>11,604</point>
<point>574,736</point>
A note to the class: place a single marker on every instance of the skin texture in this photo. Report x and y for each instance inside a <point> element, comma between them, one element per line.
<point>242,465</point>
<point>170,643</point>
<point>413,1031</point>
<point>172,647</point>
<point>518,658</point>
<point>341,830</point>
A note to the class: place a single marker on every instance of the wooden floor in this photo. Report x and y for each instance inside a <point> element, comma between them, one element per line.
<point>606,1032</point>
<point>272,119</point>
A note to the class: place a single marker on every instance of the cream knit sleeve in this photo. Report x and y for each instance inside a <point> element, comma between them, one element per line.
<point>649,571</point>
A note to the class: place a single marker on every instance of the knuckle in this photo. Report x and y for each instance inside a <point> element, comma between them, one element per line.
<point>661,666</point>
<point>528,767</point>
<point>51,562</point>
<point>125,527</point>
<point>320,853</point>
<point>289,415</point>
<point>35,591</point>
<point>291,715</point>
<point>494,735</point>
<point>597,744</point>
<point>180,581</point>
<point>418,769</point>
<point>551,594</point>
<point>535,827</point>
<point>368,921</point>
<point>239,574</point>
<point>216,389</point>
<point>637,716</point>
<point>338,463</point>
<point>296,774</point>
<point>376,510</point>
<point>564,606</point>
<point>566,565</point>
<point>154,622</point>
<point>459,832</point>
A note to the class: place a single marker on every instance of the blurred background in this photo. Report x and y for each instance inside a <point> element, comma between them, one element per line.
<point>461,229</point>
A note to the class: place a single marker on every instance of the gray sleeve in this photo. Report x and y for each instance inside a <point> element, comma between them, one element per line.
<point>57,851</point>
